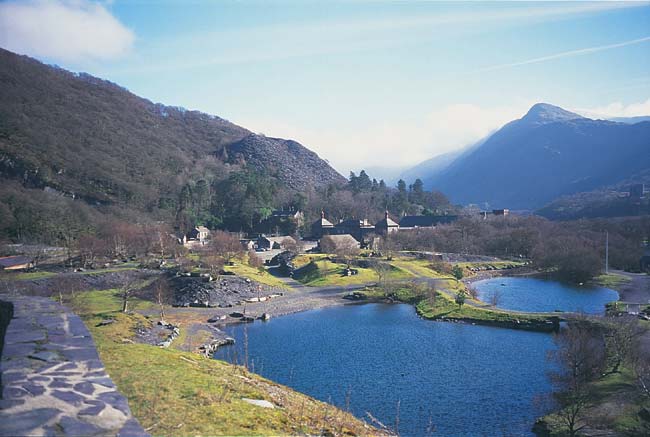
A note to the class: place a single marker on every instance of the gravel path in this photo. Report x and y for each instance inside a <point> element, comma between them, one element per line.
<point>637,289</point>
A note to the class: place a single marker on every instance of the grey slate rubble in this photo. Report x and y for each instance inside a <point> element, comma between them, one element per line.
<point>53,381</point>
<point>223,292</point>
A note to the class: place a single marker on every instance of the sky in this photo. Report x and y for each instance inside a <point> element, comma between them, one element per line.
<point>365,84</point>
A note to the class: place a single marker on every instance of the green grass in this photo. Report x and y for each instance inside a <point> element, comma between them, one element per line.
<point>177,393</point>
<point>417,267</point>
<point>324,273</point>
<point>263,277</point>
<point>441,306</point>
<point>615,392</point>
<point>499,265</point>
<point>28,276</point>
<point>611,280</point>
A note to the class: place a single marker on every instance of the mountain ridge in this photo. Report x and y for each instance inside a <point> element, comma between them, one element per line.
<point>546,154</point>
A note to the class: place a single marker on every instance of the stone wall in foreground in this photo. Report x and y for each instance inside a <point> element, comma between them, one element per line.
<point>53,382</point>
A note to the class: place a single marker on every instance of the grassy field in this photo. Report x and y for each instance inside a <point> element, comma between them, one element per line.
<point>27,276</point>
<point>324,273</point>
<point>263,277</point>
<point>417,267</point>
<point>611,280</point>
<point>176,393</point>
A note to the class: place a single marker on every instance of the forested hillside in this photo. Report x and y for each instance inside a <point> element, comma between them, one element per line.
<point>78,152</point>
<point>77,136</point>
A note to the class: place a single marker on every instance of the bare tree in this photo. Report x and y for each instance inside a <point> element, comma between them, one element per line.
<point>495,299</point>
<point>580,356</point>
<point>90,248</point>
<point>621,338</point>
<point>163,295</point>
<point>129,290</point>
<point>382,270</point>
<point>226,245</point>
<point>254,260</point>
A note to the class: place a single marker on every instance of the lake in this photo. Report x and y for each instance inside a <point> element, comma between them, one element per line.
<point>464,380</point>
<point>534,294</point>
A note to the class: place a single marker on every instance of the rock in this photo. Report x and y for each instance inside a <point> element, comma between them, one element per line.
<point>45,356</point>
<point>259,403</point>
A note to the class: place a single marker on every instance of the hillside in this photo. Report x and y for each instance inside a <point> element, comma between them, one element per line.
<point>88,138</point>
<point>546,154</point>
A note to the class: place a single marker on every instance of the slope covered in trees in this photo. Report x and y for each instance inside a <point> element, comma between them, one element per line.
<point>76,136</point>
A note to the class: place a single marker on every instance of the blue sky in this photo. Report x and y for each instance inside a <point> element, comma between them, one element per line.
<point>363,83</point>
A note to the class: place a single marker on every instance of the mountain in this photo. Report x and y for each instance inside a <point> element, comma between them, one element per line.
<point>81,136</point>
<point>631,120</point>
<point>431,168</point>
<point>548,153</point>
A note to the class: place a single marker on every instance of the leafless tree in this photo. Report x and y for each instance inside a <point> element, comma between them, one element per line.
<point>129,290</point>
<point>495,299</point>
<point>621,338</point>
<point>163,295</point>
<point>580,357</point>
<point>226,245</point>
<point>90,248</point>
<point>254,260</point>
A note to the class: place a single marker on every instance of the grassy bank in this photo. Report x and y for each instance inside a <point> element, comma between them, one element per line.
<point>324,273</point>
<point>176,393</point>
<point>437,305</point>
<point>613,409</point>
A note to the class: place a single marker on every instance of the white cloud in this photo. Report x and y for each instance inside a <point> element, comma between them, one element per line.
<point>396,143</point>
<point>617,109</point>
<point>63,30</point>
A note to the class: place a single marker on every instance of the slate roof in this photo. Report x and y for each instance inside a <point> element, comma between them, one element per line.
<point>11,261</point>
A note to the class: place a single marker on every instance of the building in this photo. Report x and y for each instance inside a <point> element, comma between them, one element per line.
<point>359,229</point>
<point>9,263</point>
<point>386,225</point>
<point>338,243</point>
<point>425,221</point>
<point>269,243</point>
<point>282,222</point>
<point>321,227</point>
<point>248,244</point>
<point>495,212</point>
<point>199,233</point>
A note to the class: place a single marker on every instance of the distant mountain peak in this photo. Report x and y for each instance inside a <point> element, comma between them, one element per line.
<point>546,113</point>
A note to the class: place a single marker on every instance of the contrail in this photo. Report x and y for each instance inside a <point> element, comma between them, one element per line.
<point>568,54</point>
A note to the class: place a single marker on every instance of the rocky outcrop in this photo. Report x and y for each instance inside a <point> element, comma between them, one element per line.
<point>294,164</point>
<point>223,292</point>
<point>54,382</point>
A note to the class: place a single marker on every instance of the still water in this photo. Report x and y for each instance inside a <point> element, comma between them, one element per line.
<point>533,294</point>
<point>461,380</point>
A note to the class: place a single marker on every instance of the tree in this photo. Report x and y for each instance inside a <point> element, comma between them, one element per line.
<point>457,272</point>
<point>129,289</point>
<point>580,358</point>
<point>345,249</point>
<point>382,270</point>
<point>163,294</point>
<point>621,335</point>
<point>90,247</point>
<point>460,298</point>
<point>226,245</point>
<point>254,260</point>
